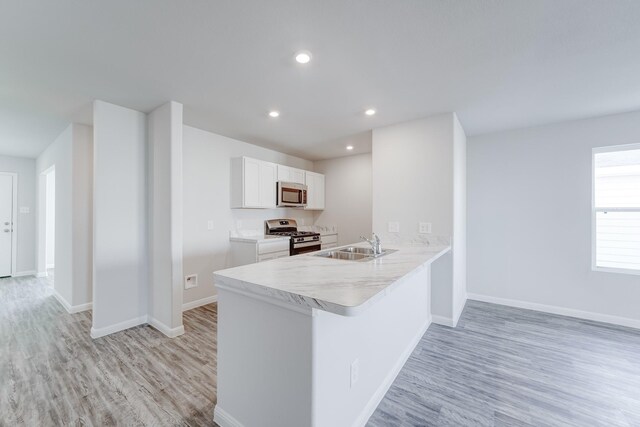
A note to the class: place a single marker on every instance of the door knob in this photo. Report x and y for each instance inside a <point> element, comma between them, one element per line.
<point>6,230</point>
<point>6,223</point>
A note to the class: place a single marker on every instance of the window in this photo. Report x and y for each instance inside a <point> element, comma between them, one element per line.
<point>616,209</point>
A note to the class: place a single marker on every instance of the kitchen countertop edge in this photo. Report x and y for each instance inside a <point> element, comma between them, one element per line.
<point>308,302</point>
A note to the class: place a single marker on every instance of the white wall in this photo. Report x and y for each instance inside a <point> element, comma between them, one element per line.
<point>413,175</point>
<point>26,223</point>
<point>50,214</point>
<point>120,262</point>
<point>347,196</point>
<point>58,154</point>
<point>416,174</point>
<point>82,214</point>
<point>165,204</point>
<point>206,177</point>
<point>70,153</point>
<point>529,211</point>
<point>459,239</point>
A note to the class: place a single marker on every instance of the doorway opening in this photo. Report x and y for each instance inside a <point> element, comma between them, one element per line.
<point>8,226</point>
<point>50,223</point>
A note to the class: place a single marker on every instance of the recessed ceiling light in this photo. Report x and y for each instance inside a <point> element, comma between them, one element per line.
<point>274,114</point>
<point>303,57</point>
<point>370,112</point>
<point>349,147</point>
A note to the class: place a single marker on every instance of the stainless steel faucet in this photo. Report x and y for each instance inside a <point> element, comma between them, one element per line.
<point>375,243</point>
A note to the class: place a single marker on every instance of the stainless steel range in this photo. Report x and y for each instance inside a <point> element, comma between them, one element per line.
<point>301,241</point>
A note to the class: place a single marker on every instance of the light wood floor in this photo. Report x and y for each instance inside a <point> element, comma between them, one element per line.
<point>505,366</point>
<point>500,367</point>
<point>52,373</point>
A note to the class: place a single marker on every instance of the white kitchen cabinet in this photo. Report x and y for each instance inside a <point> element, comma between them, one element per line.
<point>315,190</point>
<point>253,183</point>
<point>329,241</point>
<point>247,251</point>
<point>289,174</point>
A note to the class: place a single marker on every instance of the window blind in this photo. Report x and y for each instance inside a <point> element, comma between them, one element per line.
<point>617,209</point>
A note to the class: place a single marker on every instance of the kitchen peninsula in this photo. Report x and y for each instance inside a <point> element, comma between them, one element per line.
<point>316,341</point>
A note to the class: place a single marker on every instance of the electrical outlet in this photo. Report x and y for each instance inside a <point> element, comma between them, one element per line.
<point>209,225</point>
<point>191,281</point>
<point>355,372</point>
<point>424,227</point>
<point>394,227</point>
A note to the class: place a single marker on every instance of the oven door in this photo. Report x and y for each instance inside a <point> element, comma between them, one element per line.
<point>305,247</point>
<point>291,194</point>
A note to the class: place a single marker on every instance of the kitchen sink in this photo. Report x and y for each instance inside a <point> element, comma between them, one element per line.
<point>344,255</point>
<point>353,253</point>
<point>356,250</point>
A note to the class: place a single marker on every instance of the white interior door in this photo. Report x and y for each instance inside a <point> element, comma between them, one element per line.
<point>6,224</point>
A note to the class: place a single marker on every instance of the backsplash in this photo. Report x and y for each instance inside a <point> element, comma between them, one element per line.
<point>250,222</point>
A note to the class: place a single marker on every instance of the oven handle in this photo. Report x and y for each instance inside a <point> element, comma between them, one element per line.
<point>306,244</point>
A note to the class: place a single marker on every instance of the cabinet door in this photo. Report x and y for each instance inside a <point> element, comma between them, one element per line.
<point>297,175</point>
<point>315,190</point>
<point>319,191</point>
<point>288,174</point>
<point>251,182</point>
<point>284,173</point>
<point>268,178</point>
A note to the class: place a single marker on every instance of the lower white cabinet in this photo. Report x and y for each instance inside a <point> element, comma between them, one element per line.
<point>245,251</point>
<point>329,241</point>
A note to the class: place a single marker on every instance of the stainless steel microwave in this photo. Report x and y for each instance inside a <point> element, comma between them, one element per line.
<point>291,195</point>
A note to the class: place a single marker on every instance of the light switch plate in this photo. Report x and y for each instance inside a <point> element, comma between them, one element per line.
<point>424,227</point>
<point>394,227</point>
<point>209,225</point>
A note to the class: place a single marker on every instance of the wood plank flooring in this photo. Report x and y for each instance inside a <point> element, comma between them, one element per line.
<point>511,367</point>
<point>500,367</point>
<point>52,373</point>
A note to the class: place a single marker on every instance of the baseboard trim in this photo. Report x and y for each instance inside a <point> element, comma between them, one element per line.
<point>43,274</point>
<point>458,311</point>
<point>563,311</point>
<point>24,273</point>
<point>170,332</point>
<point>108,330</point>
<point>81,307</point>
<point>51,266</point>
<point>223,419</point>
<point>199,303</point>
<point>443,321</point>
<point>72,309</point>
<point>382,390</point>
<point>63,302</point>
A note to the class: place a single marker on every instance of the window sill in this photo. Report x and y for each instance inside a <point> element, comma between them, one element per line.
<point>616,270</point>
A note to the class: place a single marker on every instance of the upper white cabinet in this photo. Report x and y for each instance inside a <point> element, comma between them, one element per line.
<point>253,183</point>
<point>315,190</point>
<point>289,174</point>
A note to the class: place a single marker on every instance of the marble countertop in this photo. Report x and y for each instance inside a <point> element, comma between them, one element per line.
<point>338,286</point>
<point>258,238</point>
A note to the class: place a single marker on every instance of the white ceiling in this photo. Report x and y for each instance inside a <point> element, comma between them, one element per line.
<point>498,64</point>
